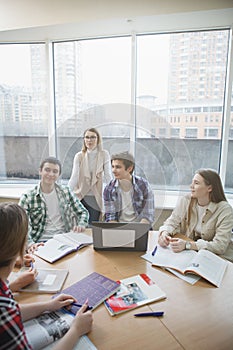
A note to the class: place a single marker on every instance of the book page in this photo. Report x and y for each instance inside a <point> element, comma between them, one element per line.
<point>47,328</point>
<point>83,343</point>
<point>165,257</point>
<point>190,278</point>
<point>52,250</point>
<point>209,266</point>
<point>76,238</point>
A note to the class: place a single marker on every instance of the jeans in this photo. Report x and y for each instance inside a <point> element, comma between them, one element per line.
<point>91,205</point>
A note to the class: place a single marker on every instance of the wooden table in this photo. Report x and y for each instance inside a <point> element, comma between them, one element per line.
<point>195,317</point>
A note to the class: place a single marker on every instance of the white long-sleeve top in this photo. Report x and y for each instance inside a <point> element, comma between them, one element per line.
<point>91,170</point>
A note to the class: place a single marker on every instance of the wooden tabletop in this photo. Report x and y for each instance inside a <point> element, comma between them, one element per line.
<point>198,316</point>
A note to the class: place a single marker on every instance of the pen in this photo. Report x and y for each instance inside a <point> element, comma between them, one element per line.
<point>31,265</point>
<point>146,314</point>
<point>80,305</point>
<point>154,251</point>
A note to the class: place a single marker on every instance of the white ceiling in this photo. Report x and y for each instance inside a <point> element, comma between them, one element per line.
<point>15,14</point>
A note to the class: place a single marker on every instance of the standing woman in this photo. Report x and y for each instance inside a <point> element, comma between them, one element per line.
<point>91,168</point>
<point>204,216</point>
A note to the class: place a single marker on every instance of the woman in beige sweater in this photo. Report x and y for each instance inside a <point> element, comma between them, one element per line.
<point>204,215</point>
<point>91,169</point>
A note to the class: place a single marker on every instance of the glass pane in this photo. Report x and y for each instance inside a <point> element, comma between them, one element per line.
<point>93,89</point>
<point>229,169</point>
<point>23,110</point>
<point>180,85</point>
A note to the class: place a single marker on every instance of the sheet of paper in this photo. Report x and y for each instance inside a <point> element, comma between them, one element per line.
<point>118,238</point>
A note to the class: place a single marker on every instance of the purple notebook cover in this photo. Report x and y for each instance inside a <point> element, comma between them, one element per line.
<point>94,287</point>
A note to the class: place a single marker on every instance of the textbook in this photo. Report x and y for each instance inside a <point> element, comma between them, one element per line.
<point>202,263</point>
<point>94,287</point>
<point>62,244</point>
<point>134,291</point>
<point>43,331</point>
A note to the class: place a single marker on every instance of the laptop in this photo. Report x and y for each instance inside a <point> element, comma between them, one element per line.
<point>120,236</point>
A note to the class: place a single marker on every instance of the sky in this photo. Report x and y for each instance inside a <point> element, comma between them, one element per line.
<point>15,66</point>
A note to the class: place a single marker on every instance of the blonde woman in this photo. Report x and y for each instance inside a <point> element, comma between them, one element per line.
<point>91,169</point>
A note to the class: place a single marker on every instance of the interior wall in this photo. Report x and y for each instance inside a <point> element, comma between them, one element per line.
<point>15,14</point>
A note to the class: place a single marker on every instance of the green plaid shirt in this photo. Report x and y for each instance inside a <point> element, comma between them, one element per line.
<point>70,208</point>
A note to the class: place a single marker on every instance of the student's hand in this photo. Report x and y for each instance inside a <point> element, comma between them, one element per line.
<point>31,248</point>
<point>144,221</point>
<point>26,261</point>
<point>82,322</point>
<point>62,300</point>
<point>177,244</point>
<point>164,239</point>
<point>78,229</point>
<point>24,279</point>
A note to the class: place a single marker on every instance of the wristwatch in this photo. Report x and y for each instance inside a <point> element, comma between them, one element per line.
<point>188,246</point>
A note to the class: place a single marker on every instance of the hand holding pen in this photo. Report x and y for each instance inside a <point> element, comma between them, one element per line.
<point>164,239</point>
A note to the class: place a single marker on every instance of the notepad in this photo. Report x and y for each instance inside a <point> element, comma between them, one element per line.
<point>47,280</point>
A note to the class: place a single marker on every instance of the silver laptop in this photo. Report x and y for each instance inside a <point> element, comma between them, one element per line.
<point>120,236</point>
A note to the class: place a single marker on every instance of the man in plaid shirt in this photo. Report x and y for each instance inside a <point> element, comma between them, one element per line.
<point>52,208</point>
<point>128,197</point>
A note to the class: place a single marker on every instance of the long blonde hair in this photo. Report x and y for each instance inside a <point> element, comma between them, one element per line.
<point>13,232</point>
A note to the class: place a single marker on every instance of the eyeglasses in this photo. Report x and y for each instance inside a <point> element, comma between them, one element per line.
<point>90,137</point>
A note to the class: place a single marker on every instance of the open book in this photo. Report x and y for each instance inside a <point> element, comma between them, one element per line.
<point>62,244</point>
<point>94,287</point>
<point>202,263</point>
<point>47,328</point>
<point>134,291</point>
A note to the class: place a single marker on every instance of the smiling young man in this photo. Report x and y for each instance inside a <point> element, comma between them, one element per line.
<point>52,208</point>
<point>127,198</point>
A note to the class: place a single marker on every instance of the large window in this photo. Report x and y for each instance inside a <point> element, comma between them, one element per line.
<point>181,81</point>
<point>92,89</point>
<point>23,110</point>
<point>161,96</point>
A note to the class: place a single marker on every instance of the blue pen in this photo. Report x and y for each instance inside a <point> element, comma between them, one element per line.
<point>154,251</point>
<point>153,314</point>
<point>80,305</point>
<point>31,265</point>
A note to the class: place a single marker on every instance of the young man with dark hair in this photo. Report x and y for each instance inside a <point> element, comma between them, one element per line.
<point>128,197</point>
<point>52,208</point>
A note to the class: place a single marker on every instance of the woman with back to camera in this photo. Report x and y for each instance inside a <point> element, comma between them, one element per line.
<point>204,216</point>
<point>13,237</point>
<point>91,168</point>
